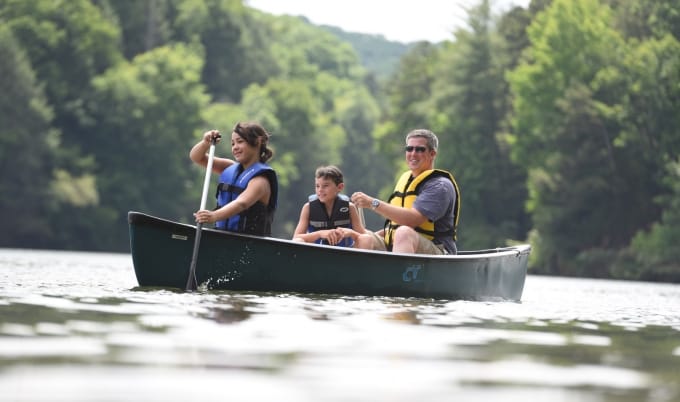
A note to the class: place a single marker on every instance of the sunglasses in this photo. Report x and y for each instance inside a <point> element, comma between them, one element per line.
<point>411,148</point>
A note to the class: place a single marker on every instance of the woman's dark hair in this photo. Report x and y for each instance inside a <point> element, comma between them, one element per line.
<point>251,132</point>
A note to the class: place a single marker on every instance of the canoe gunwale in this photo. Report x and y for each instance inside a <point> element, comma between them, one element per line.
<point>138,217</point>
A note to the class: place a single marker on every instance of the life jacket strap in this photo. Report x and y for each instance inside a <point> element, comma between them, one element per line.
<point>230,188</point>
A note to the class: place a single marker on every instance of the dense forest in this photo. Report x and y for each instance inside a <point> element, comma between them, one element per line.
<point>561,121</point>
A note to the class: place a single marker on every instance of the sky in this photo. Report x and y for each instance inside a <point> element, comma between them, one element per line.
<point>397,20</point>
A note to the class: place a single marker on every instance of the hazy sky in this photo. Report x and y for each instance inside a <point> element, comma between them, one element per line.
<point>398,20</point>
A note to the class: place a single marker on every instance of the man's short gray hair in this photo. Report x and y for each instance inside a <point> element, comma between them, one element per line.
<point>432,141</point>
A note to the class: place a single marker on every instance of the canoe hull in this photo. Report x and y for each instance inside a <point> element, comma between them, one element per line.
<point>162,252</point>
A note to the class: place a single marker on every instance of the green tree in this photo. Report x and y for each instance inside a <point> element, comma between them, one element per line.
<point>303,50</point>
<point>144,24</point>
<point>365,169</point>
<point>652,126</point>
<point>647,18</point>
<point>27,148</point>
<point>512,28</point>
<point>470,94</point>
<point>583,192</point>
<point>68,43</point>
<point>142,118</point>
<point>656,251</point>
<point>237,52</point>
<point>409,95</point>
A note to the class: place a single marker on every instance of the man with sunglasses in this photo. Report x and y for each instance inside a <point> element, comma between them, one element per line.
<point>422,212</point>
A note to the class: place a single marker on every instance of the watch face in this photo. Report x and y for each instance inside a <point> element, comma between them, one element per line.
<point>375,203</point>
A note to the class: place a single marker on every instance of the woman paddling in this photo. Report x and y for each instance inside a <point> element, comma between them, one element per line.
<point>248,187</point>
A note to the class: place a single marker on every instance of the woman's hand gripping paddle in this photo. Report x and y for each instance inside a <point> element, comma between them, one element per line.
<point>191,280</point>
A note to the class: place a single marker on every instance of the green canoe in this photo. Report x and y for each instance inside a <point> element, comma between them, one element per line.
<point>162,252</point>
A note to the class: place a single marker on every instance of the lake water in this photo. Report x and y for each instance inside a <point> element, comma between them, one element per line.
<point>75,327</point>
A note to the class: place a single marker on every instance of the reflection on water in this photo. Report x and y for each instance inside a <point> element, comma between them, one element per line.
<point>74,327</point>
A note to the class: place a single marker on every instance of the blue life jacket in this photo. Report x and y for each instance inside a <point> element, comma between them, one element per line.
<point>340,217</point>
<point>259,217</point>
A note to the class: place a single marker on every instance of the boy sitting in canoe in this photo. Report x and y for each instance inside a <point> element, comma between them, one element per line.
<point>329,217</point>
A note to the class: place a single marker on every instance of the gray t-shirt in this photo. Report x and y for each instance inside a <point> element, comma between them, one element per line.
<point>435,201</point>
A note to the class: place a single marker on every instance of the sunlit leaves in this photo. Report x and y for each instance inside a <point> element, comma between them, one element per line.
<point>77,191</point>
<point>140,116</point>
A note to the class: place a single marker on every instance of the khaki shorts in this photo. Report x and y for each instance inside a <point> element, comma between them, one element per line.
<point>425,246</point>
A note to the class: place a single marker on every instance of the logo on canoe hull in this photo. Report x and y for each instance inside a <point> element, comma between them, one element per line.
<point>411,273</point>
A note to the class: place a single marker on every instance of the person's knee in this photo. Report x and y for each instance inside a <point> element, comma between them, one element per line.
<point>364,241</point>
<point>377,242</point>
<point>405,233</point>
<point>405,240</point>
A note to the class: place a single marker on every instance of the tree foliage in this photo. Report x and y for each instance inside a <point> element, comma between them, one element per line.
<point>559,121</point>
<point>582,100</point>
<point>68,43</point>
<point>27,146</point>
<point>470,94</point>
<point>140,115</point>
<point>559,134</point>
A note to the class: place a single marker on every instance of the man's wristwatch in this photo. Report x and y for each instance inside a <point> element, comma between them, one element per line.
<point>375,203</point>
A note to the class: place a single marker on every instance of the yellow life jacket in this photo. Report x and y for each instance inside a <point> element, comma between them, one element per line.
<point>404,195</point>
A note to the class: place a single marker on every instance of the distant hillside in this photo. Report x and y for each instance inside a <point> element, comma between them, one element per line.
<point>377,54</point>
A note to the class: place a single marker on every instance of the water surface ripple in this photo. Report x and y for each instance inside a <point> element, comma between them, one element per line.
<point>75,327</point>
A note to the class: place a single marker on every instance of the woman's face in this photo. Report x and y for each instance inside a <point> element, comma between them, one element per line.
<point>242,151</point>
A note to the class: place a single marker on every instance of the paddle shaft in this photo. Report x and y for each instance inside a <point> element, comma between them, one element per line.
<point>191,280</point>
<point>361,216</point>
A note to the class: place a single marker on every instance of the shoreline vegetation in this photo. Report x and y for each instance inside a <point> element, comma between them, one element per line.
<point>560,120</point>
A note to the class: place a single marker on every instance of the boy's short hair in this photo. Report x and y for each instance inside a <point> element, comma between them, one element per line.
<point>330,172</point>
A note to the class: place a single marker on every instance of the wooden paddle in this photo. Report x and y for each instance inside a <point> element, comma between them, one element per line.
<point>191,280</point>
